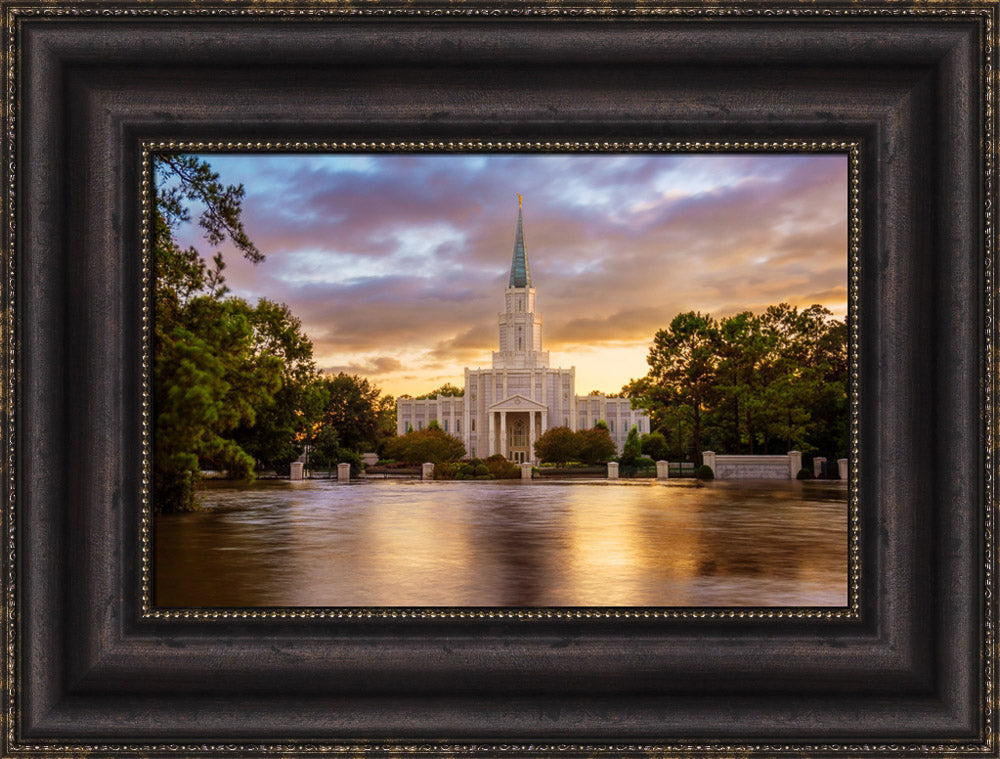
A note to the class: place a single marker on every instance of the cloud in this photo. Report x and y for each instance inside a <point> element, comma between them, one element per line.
<point>373,367</point>
<point>406,257</point>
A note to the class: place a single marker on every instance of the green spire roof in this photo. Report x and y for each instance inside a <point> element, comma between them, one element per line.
<point>520,274</point>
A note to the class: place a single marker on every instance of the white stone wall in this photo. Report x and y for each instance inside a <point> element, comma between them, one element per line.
<point>449,411</point>
<point>756,467</point>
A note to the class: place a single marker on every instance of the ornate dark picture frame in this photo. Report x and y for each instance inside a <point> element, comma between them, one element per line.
<point>89,667</point>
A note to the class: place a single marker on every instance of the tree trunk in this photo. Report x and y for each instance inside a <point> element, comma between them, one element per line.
<point>696,432</point>
<point>736,421</point>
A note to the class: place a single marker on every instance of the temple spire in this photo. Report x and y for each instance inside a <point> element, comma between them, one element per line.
<point>520,274</point>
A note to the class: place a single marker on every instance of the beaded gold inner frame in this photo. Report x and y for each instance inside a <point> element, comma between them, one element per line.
<point>852,254</point>
<point>906,91</point>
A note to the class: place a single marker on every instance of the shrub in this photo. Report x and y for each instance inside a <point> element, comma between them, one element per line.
<point>632,449</point>
<point>174,486</point>
<point>501,469</point>
<point>804,474</point>
<point>704,472</point>
<point>352,458</point>
<point>432,444</point>
<point>557,445</point>
<point>654,445</point>
<point>641,466</point>
<point>466,470</point>
<point>449,470</point>
<point>596,445</point>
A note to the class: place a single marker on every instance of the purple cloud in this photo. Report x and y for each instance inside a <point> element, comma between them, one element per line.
<point>396,264</point>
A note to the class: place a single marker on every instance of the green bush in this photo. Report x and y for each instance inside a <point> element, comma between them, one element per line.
<point>467,470</point>
<point>446,471</point>
<point>595,445</point>
<point>642,466</point>
<point>352,458</point>
<point>632,449</point>
<point>654,445</point>
<point>804,474</point>
<point>557,445</point>
<point>174,486</point>
<point>501,469</point>
<point>704,472</point>
<point>432,444</point>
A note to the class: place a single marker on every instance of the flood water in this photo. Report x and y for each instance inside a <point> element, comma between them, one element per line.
<point>507,543</point>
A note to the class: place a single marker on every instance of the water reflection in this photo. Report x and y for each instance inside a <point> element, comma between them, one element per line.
<point>597,543</point>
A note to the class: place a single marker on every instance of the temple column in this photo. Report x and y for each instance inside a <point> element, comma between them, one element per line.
<point>493,434</point>
<point>531,435</point>
<point>503,434</point>
<point>545,422</point>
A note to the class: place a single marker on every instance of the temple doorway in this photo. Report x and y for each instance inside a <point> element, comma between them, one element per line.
<point>517,442</point>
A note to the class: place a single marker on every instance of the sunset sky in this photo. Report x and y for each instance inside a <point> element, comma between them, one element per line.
<point>397,264</point>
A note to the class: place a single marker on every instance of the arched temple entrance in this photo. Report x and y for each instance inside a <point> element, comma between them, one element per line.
<point>515,424</point>
<point>517,443</point>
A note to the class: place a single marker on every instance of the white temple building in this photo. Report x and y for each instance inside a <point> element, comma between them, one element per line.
<point>506,407</point>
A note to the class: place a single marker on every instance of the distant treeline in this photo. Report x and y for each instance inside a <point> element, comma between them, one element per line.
<point>749,383</point>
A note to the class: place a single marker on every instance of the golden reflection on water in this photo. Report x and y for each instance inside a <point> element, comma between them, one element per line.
<point>583,543</point>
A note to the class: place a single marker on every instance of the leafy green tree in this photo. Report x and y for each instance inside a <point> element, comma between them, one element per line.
<point>233,383</point>
<point>683,363</point>
<point>358,411</point>
<point>557,445</point>
<point>326,447</point>
<point>595,446</point>
<point>632,449</point>
<point>431,444</point>
<point>198,341</point>
<point>746,353</point>
<point>183,178</point>
<point>282,426</point>
<point>802,373</point>
<point>654,445</point>
<point>207,381</point>
<point>446,389</point>
<point>777,380</point>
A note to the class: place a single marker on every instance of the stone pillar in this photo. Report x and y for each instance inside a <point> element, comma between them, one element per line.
<point>491,449</point>
<point>503,434</point>
<point>842,468</point>
<point>531,436</point>
<point>612,470</point>
<point>545,422</point>
<point>427,471</point>
<point>525,471</point>
<point>818,466</point>
<point>794,464</point>
<point>708,459</point>
<point>296,473</point>
<point>662,470</point>
<point>343,472</point>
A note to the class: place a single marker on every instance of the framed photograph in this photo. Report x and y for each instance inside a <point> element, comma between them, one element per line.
<point>321,480</point>
<point>496,379</point>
